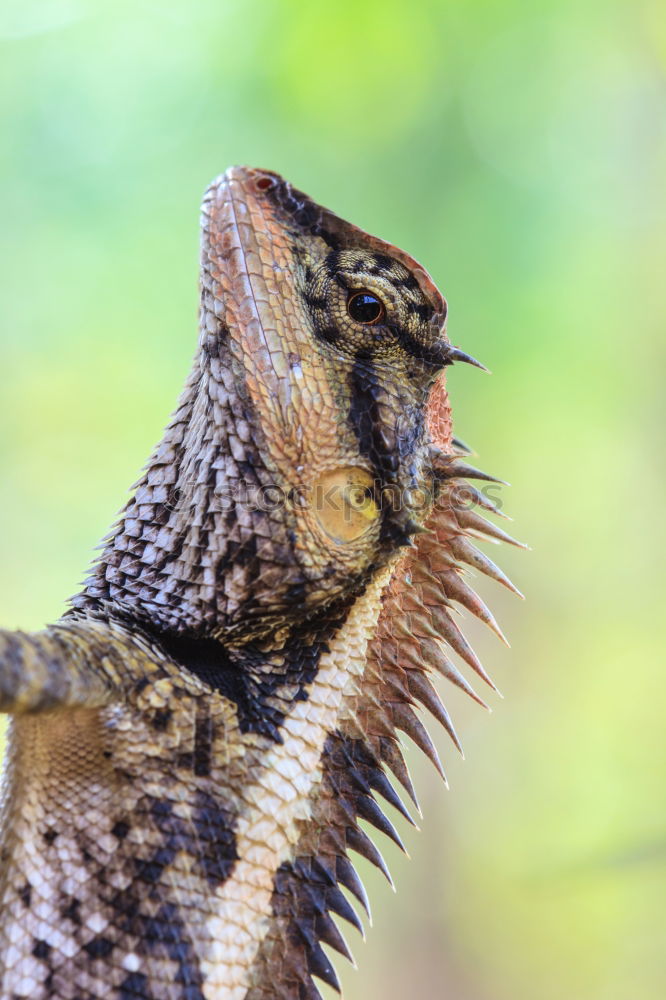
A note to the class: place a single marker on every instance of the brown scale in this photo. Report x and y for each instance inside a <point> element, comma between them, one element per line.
<point>193,744</point>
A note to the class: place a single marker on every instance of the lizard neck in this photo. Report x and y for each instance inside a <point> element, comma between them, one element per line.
<point>204,548</point>
<point>212,544</point>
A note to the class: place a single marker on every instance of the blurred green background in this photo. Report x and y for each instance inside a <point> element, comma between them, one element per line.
<point>520,152</point>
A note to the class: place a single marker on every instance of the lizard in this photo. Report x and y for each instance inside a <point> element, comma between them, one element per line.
<point>193,743</point>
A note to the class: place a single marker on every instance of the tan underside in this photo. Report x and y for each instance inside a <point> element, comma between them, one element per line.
<point>277,803</point>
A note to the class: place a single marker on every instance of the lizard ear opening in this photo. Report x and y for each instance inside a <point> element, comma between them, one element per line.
<point>344,504</point>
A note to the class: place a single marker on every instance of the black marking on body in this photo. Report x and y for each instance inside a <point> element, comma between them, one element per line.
<point>305,214</point>
<point>213,343</point>
<point>209,660</point>
<point>99,947</point>
<point>120,829</point>
<point>329,334</point>
<point>319,302</point>
<point>168,932</point>
<point>160,718</point>
<point>420,309</point>
<point>434,357</point>
<point>134,986</point>
<point>174,836</point>
<point>41,949</point>
<point>216,841</point>
<point>204,735</point>
<point>71,910</point>
<point>239,553</point>
<point>364,416</point>
<point>390,445</point>
<point>409,281</point>
<point>157,929</point>
<point>162,934</point>
<point>383,263</point>
<point>256,680</point>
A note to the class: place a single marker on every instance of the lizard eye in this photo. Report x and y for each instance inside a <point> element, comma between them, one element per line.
<point>365,308</point>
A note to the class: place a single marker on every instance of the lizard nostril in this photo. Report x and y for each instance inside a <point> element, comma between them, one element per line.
<point>265,183</point>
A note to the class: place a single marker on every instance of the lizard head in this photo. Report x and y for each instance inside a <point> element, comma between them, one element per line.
<point>299,461</point>
<point>336,339</point>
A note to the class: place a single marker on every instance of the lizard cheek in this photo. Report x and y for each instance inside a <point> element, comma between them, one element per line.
<point>344,506</point>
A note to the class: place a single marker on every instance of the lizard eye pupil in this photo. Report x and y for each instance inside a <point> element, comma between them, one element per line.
<point>366,308</point>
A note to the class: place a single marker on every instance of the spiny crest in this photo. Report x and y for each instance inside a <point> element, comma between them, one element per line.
<point>416,638</point>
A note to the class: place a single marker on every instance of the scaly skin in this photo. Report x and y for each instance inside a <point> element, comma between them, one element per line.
<point>193,743</point>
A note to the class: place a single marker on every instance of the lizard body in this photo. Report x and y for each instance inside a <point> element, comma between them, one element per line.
<point>193,743</point>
